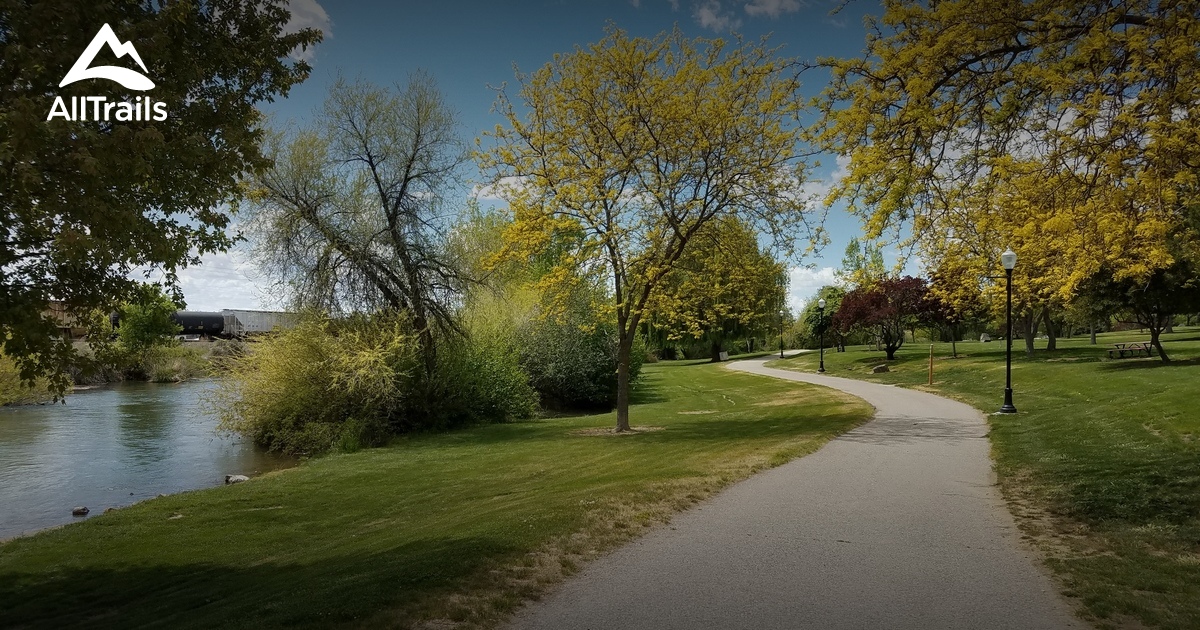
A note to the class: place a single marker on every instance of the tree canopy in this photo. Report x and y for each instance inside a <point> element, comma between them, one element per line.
<point>889,306</point>
<point>1065,130</point>
<point>725,284</point>
<point>636,144</point>
<point>84,203</point>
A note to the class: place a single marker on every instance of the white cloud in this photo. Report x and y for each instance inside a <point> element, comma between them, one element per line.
<point>307,14</point>
<point>710,15</point>
<point>490,192</point>
<point>674,4</point>
<point>818,189</point>
<point>803,284</point>
<point>772,8</point>
<point>225,280</point>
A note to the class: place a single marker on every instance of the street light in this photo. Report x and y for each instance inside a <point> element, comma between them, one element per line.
<point>1009,260</point>
<point>821,318</point>
<point>780,334</point>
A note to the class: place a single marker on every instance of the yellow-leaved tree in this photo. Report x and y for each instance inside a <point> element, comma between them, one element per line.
<point>1069,131</point>
<point>725,285</point>
<point>631,146</point>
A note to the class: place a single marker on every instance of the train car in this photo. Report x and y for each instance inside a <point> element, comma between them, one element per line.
<point>239,323</point>
<point>206,323</point>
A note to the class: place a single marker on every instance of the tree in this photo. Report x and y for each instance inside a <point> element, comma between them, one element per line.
<point>861,265</point>
<point>818,321</point>
<point>1069,126</point>
<point>147,321</point>
<point>942,310</point>
<point>350,217</point>
<point>889,306</point>
<point>724,285</point>
<point>1153,303</point>
<point>636,145</point>
<point>84,203</point>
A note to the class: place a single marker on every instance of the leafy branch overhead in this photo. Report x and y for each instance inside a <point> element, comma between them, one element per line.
<point>1068,131</point>
<point>82,204</point>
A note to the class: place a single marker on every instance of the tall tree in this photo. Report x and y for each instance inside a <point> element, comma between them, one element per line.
<point>724,285</point>
<point>1071,127</point>
<point>637,144</point>
<point>862,264</point>
<point>351,216</point>
<point>83,203</point>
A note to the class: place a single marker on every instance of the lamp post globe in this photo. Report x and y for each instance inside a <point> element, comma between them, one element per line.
<point>821,320</point>
<point>780,334</point>
<point>1009,260</point>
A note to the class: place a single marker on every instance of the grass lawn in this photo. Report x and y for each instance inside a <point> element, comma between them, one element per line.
<point>1101,464</point>
<point>454,527</point>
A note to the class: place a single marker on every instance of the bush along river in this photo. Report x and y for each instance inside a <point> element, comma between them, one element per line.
<point>113,446</point>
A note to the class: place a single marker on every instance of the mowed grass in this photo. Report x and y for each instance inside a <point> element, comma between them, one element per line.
<point>1101,464</point>
<point>447,530</point>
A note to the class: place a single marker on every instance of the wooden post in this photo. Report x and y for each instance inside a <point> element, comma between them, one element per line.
<point>931,364</point>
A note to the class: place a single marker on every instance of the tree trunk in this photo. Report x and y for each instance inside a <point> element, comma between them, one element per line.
<point>624,351</point>
<point>1052,343</point>
<point>1093,329</point>
<point>716,350</point>
<point>1031,326</point>
<point>1157,343</point>
<point>1157,324</point>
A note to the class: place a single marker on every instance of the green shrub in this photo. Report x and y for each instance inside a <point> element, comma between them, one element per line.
<point>15,392</point>
<point>171,364</point>
<point>572,359</point>
<point>343,385</point>
<point>321,384</point>
<point>224,352</point>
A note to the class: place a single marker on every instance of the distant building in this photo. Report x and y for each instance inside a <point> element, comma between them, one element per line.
<point>68,325</point>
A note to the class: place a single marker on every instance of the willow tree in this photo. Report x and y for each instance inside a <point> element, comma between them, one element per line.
<point>634,145</point>
<point>351,217</point>
<point>1072,127</point>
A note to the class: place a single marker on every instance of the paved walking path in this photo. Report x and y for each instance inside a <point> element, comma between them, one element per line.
<point>896,524</point>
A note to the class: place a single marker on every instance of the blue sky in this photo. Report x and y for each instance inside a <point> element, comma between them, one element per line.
<point>470,47</point>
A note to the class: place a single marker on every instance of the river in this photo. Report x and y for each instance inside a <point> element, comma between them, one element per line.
<point>113,446</point>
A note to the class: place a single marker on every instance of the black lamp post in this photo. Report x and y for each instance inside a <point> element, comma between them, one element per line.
<point>780,334</point>
<point>1009,260</point>
<point>821,318</point>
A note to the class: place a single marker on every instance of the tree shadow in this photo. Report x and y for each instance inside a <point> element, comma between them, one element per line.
<point>1147,363</point>
<point>305,593</point>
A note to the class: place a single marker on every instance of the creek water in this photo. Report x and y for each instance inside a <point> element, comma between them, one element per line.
<point>113,446</point>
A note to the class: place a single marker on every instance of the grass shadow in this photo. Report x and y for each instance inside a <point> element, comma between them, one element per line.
<point>353,587</point>
<point>1147,363</point>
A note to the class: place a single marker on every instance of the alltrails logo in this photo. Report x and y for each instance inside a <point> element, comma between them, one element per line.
<point>99,107</point>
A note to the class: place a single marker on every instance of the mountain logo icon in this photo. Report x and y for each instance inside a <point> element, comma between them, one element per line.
<point>126,77</point>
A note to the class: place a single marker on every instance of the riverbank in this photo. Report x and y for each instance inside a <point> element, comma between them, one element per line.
<point>163,364</point>
<point>453,529</point>
<point>1101,465</point>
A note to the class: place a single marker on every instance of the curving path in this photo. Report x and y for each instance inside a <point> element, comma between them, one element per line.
<point>896,524</point>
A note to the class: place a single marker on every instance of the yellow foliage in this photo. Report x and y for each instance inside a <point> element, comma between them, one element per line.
<point>632,145</point>
<point>1068,131</point>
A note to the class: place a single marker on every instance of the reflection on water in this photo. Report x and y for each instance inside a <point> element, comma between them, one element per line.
<point>110,447</point>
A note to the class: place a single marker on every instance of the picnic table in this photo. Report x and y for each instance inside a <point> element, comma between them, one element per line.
<point>1120,350</point>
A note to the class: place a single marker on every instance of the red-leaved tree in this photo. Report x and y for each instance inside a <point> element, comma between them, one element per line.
<point>886,308</point>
